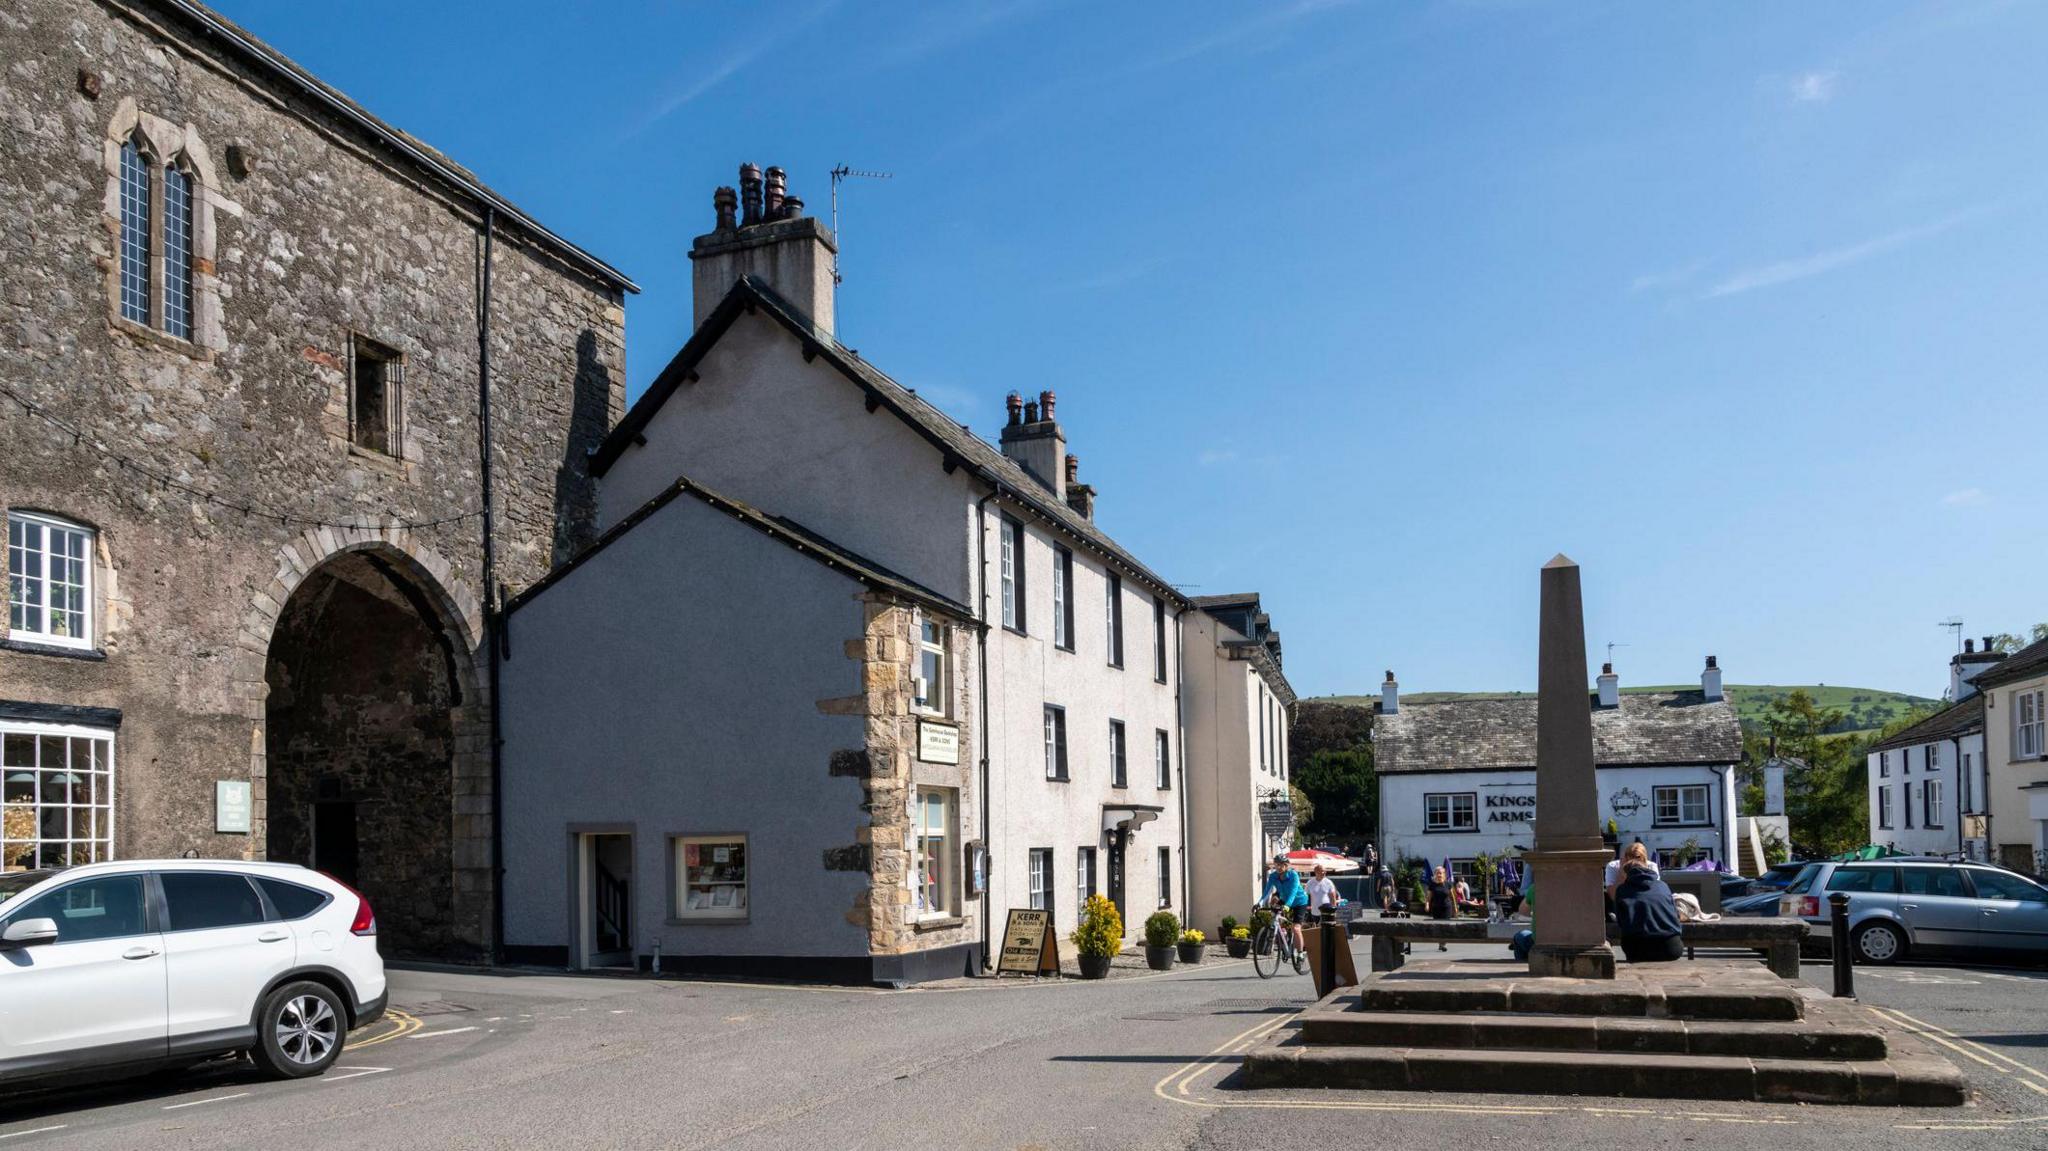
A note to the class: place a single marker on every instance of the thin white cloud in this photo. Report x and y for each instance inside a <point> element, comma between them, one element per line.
<point>1210,457</point>
<point>1786,271</point>
<point>1966,498</point>
<point>1674,278</point>
<point>735,62</point>
<point>1814,87</point>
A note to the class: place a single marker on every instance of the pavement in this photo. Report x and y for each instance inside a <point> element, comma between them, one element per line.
<point>1146,1061</point>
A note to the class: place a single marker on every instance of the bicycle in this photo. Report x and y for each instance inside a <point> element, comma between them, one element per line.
<point>1272,947</point>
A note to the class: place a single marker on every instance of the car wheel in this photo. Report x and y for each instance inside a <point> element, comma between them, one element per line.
<point>1879,943</point>
<point>300,1031</point>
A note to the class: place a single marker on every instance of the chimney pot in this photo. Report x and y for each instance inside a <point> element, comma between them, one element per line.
<point>1606,669</point>
<point>1390,675</point>
<point>1015,404</point>
<point>771,204</point>
<point>1969,645</point>
<point>1987,643</point>
<point>750,195</point>
<point>1712,662</point>
<point>1073,469</point>
<point>1031,411</point>
<point>1045,402</point>
<point>792,208</point>
<point>726,203</point>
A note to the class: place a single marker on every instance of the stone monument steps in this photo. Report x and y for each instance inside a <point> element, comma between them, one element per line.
<point>1501,1031</point>
<point>1908,1081</point>
<point>1764,997</point>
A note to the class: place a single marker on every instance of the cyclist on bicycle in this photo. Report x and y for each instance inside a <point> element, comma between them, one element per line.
<point>1283,890</point>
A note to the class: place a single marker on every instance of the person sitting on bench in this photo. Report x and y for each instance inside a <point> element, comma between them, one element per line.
<point>1647,916</point>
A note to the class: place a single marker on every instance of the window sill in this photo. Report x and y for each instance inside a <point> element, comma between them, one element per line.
<point>1015,630</point>
<point>1065,648</point>
<point>61,651</point>
<point>383,461</point>
<point>707,921</point>
<point>938,923</point>
<point>1058,779</point>
<point>143,333</point>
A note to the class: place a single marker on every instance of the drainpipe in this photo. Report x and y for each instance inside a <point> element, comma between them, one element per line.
<point>491,605</point>
<point>981,665</point>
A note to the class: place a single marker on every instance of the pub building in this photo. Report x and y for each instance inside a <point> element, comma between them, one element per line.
<point>1457,778</point>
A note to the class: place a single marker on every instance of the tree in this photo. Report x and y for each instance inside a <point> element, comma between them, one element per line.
<point>1826,797</point>
<point>2006,643</point>
<point>1329,759</point>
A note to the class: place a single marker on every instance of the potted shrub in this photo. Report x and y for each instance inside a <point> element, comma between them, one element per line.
<point>1162,931</point>
<point>1238,942</point>
<point>1229,925</point>
<point>1191,946</point>
<point>1099,937</point>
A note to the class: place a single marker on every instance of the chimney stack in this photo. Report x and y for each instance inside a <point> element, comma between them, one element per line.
<point>771,240</point>
<point>1390,695</point>
<point>1610,686</point>
<point>1962,667</point>
<point>1710,680</point>
<point>1037,442</point>
<point>1080,496</point>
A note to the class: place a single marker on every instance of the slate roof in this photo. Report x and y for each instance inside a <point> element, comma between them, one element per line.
<point>410,149</point>
<point>957,446</point>
<point>1957,719</point>
<point>799,538</point>
<point>2026,663</point>
<point>1675,727</point>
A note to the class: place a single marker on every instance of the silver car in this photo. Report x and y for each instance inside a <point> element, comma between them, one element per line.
<point>1914,904</point>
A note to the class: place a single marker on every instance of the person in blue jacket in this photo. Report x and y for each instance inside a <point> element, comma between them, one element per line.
<point>1283,889</point>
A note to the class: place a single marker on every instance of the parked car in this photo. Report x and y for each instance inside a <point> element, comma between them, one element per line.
<point>1911,903</point>
<point>139,965</point>
<point>1762,903</point>
<point>1775,879</point>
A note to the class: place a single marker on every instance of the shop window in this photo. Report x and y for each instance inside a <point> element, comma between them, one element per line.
<point>56,796</point>
<point>1452,811</point>
<point>934,814</point>
<point>711,876</point>
<point>49,580</point>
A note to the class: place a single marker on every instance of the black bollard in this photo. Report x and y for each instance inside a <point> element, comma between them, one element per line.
<point>1838,925</point>
<point>1327,939</point>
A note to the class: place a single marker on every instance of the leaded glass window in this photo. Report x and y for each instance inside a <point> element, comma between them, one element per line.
<point>134,234</point>
<point>177,253</point>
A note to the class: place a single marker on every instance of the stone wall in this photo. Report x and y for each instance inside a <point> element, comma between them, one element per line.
<point>318,234</point>
<point>888,654</point>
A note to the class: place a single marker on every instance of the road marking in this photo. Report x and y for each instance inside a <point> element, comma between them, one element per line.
<point>1939,1035</point>
<point>403,1024</point>
<point>34,1131</point>
<point>353,1073</point>
<point>203,1102</point>
<point>437,1034</point>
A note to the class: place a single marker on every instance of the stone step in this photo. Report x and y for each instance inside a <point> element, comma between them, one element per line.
<point>1775,1000</point>
<point>1907,1081</point>
<point>1335,1025</point>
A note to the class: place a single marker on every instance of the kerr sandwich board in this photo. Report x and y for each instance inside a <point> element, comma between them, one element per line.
<point>1030,946</point>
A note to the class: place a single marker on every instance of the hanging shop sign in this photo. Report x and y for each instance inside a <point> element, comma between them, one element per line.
<point>1276,816</point>
<point>1625,802</point>
<point>938,742</point>
<point>1030,946</point>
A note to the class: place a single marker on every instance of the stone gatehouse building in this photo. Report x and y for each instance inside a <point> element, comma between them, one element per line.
<point>243,469</point>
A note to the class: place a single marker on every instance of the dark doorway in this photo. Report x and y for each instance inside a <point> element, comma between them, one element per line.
<point>1117,841</point>
<point>360,746</point>
<point>607,899</point>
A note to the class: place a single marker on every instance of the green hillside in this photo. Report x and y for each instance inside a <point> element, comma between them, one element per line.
<point>1863,708</point>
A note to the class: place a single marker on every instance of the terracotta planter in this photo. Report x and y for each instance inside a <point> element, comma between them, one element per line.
<point>1190,952</point>
<point>1238,948</point>
<point>1158,958</point>
<point>1095,966</point>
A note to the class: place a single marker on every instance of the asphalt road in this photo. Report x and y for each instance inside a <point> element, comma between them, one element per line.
<point>471,1060</point>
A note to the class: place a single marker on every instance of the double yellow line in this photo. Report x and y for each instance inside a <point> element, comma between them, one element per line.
<point>402,1025</point>
<point>1975,1052</point>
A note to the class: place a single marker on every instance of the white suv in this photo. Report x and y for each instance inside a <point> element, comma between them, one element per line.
<point>147,963</point>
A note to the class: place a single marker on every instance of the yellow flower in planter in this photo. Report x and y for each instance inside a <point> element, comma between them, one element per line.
<point>1192,936</point>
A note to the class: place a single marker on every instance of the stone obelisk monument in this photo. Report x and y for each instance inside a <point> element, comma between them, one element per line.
<point>1571,908</point>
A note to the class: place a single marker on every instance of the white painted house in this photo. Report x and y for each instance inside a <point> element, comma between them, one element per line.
<point>1239,709</point>
<point>1928,781</point>
<point>1069,688</point>
<point>1457,778</point>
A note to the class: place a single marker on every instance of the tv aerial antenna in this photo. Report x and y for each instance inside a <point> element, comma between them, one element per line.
<point>1611,645</point>
<point>1955,624</point>
<point>839,174</point>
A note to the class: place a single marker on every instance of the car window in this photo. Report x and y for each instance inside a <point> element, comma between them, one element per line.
<point>291,900</point>
<point>1999,885</point>
<point>1932,881</point>
<point>1803,882</point>
<point>199,899</point>
<point>1880,880</point>
<point>106,908</point>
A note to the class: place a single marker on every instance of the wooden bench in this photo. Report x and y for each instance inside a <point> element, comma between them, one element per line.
<point>1778,939</point>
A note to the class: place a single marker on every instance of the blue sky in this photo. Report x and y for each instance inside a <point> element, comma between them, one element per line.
<point>1372,307</point>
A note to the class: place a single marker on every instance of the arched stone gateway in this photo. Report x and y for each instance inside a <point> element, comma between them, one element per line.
<point>370,752</point>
